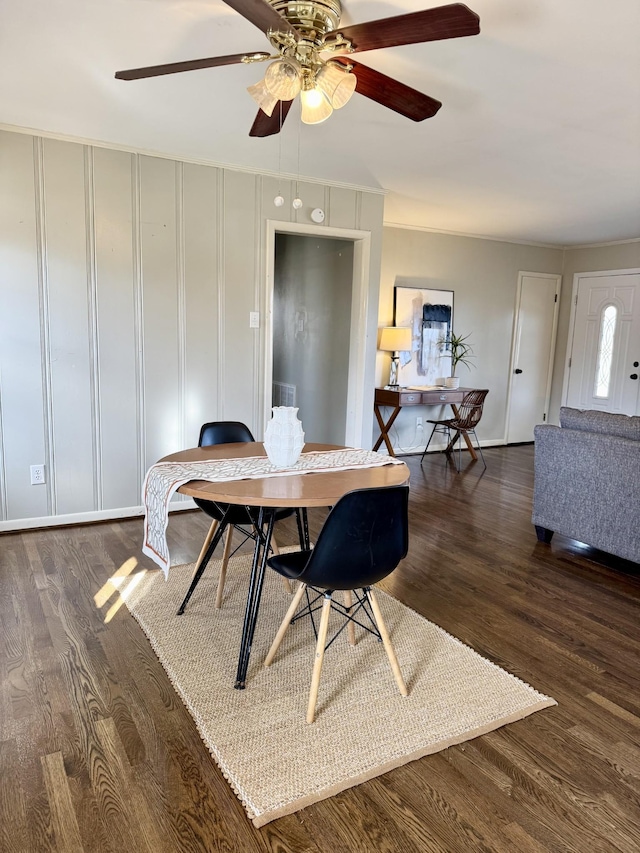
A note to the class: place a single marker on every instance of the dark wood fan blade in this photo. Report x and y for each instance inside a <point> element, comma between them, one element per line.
<point>391,93</point>
<point>265,125</point>
<point>262,15</point>
<point>443,22</point>
<point>175,67</point>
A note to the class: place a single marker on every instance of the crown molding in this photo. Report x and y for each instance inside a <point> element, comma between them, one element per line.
<point>601,245</point>
<point>387,224</point>
<point>114,146</point>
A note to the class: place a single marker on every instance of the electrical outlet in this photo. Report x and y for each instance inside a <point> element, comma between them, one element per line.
<point>37,475</point>
<point>419,423</point>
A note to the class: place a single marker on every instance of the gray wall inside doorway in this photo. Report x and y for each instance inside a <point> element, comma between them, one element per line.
<point>313,285</point>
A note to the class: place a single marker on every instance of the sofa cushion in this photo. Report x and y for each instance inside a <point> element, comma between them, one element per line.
<point>624,426</point>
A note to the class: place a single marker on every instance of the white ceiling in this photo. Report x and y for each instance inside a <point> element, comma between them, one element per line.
<point>538,138</point>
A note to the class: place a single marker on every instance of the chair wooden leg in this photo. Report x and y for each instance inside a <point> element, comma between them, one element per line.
<point>223,567</point>
<point>291,612</point>
<point>317,666</point>
<point>207,542</point>
<point>393,660</point>
<point>351,628</point>
<point>276,551</point>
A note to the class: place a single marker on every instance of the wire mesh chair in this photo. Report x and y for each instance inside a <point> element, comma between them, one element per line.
<point>462,425</point>
<point>362,541</point>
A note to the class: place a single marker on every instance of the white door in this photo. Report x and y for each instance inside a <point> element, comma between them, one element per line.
<point>532,353</point>
<point>604,360</point>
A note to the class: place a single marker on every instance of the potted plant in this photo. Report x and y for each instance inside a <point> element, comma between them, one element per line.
<point>461,353</point>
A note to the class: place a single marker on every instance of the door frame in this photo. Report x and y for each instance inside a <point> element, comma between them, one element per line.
<point>514,341</point>
<point>572,318</point>
<point>359,309</point>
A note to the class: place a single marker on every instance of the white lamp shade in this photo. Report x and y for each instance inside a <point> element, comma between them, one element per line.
<point>315,106</point>
<point>282,79</point>
<point>395,339</point>
<point>263,97</point>
<point>337,84</point>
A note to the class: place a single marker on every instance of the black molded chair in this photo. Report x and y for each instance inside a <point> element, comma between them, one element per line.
<point>468,418</point>
<point>233,517</point>
<point>362,541</point>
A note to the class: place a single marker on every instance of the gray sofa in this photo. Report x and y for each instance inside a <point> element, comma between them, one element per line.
<point>587,481</point>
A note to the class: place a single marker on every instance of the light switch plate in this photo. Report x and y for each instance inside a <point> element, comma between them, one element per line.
<point>254,319</point>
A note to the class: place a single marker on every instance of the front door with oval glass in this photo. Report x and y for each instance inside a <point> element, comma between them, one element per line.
<point>605,354</point>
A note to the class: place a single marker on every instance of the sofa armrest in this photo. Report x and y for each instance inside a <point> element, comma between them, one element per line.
<point>587,487</point>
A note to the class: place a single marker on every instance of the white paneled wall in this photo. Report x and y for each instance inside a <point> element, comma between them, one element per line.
<point>126,283</point>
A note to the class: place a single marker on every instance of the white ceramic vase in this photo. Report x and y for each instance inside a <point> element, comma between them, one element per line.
<point>452,382</point>
<point>283,437</point>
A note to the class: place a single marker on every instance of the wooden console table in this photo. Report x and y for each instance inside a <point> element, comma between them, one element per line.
<point>404,397</point>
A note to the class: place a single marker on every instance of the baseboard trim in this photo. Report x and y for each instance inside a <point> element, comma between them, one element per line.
<point>439,447</point>
<point>86,517</point>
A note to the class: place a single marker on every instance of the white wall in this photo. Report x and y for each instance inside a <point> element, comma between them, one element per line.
<point>126,283</point>
<point>484,276</point>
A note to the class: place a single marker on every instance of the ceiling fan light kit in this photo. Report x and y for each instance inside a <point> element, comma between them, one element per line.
<point>310,59</point>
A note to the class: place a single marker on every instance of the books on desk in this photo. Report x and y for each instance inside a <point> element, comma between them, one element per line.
<point>426,387</point>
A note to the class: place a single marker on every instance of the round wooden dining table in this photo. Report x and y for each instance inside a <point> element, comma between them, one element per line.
<point>298,491</point>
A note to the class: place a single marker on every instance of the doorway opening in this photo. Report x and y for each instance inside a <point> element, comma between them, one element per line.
<point>316,332</point>
<point>312,292</point>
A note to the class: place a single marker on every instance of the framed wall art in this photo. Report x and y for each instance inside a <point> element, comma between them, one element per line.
<point>429,314</point>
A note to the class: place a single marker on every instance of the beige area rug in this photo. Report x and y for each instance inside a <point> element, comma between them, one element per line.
<point>275,762</point>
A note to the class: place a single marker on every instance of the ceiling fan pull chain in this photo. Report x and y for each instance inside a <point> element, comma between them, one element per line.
<point>297,202</point>
<point>279,199</point>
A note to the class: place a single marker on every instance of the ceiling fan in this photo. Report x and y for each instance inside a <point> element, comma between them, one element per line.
<point>313,58</point>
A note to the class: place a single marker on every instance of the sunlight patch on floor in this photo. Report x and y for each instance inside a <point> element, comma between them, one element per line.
<point>122,583</point>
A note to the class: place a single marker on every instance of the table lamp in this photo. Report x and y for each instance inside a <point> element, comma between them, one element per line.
<point>395,339</point>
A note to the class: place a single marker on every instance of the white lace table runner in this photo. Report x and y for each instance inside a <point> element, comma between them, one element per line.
<point>164,478</point>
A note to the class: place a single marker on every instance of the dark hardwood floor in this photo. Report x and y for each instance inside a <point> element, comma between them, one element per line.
<point>97,753</point>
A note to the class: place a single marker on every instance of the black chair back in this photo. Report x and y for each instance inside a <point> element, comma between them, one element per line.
<point>364,538</point>
<point>224,432</point>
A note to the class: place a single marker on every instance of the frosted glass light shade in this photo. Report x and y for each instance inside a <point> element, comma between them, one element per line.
<point>263,97</point>
<point>395,339</point>
<point>282,79</point>
<point>315,106</point>
<point>337,83</point>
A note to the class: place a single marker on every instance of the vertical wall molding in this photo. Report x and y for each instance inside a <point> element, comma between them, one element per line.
<point>136,239</point>
<point>220,229</point>
<point>44,318</point>
<point>182,304</point>
<point>3,470</point>
<point>258,264</point>
<point>359,211</point>
<point>92,326</point>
